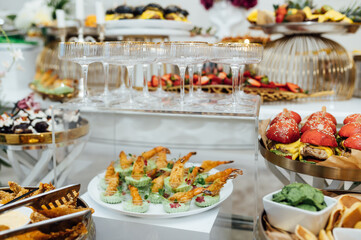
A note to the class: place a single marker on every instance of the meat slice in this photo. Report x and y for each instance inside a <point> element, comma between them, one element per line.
<point>316,153</point>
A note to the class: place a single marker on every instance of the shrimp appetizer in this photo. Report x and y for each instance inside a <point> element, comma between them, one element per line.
<point>125,165</point>
<point>175,182</point>
<point>138,177</point>
<point>109,173</point>
<point>180,201</point>
<point>156,193</point>
<point>136,204</point>
<point>112,194</point>
<point>210,194</point>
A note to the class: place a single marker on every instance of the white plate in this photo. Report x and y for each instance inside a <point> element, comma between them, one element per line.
<point>149,23</point>
<point>347,234</point>
<point>25,211</point>
<point>155,210</point>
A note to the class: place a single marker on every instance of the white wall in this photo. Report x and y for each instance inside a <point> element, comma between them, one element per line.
<point>199,16</point>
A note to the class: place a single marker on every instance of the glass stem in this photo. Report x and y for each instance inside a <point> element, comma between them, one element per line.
<point>106,78</point>
<point>190,72</point>
<point>199,83</point>
<point>145,80</point>
<point>130,77</point>
<point>182,71</point>
<point>235,71</point>
<point>83,91</point>
<point>159,68</point>
<point>240,83</point>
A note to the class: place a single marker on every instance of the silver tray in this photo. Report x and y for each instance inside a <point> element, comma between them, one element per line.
<point>307,28</point>
<point>89,223</point>
<point>342,174</point>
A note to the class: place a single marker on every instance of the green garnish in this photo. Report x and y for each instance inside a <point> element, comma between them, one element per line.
<point>201,181</point>
<point>191,169</point>
<point>170,165</point>
<point>146,197</point>
<point>161,192</point>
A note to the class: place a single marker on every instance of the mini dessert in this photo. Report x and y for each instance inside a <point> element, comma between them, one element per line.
<point>152,11</point>
<point>138,177</point>
<point>138,11</point>
<point>317,145</point>
<point>286,114</point>
<point>123,12</point>
<point>137,204</point>
<point>352,118</point>
<point>284,136</point>
<point>72,119</point>
<point>175,13</point>
<point>175,182</point>
<point>22,125</point>
<point>110,15</point>
<point>6,123</point>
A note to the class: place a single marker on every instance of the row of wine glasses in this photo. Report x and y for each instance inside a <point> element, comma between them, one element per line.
<point>185,55</point>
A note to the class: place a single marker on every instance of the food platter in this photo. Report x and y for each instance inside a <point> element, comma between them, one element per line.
<point>310,169</point>
<point>293,28</point>
<point>55,97</point>
<point>46,137</point>
<point>155,210</point>
<point>149,23</point>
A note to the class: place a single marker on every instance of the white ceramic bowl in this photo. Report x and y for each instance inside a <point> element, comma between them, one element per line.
<point>287,217</point>
<point>347,234</point>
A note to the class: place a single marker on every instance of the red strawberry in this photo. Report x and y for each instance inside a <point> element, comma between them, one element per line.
<point>283,89</point>
<point>279,18</point>
<point>149,84</point>
<point>280,85</point>
<point>204,80</point>
<point>247,74</point>
<point>258,77</point>
<point>154,81</point>
<point>222,75</point>
<point>253,83</point>
<point>166,76</point>
<point>216,80</point>
<point>210,76</point>
<point>293,87</point>
<point>270,85</point>
<point>227,81</point>
<point>176,83</point>
<point>169,83</point>
<point>195,78</point>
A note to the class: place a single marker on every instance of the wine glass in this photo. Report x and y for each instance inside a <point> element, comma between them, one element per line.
<point>83,53</point>
<point>126,53</point>
<point>161,56</point>
<point>236,55</point>
<point>147,53</point>
<point>184,54</point>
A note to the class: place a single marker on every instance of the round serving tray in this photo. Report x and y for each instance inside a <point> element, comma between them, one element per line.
<point>55,97</point>
<point>342,174</point>
<point>46,137</point>
<point>89,223</point>
<point>307,28</point>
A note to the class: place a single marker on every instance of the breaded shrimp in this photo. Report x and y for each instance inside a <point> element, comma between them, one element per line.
<point>207,165</point>
<point>224,173</point>
<point>154,151</point>
<point>184,197</point>
<point>161,161</point>
<point>137,199</point>
<point>109,172</point>
<point>176,175</point>
<point>124,161</point>
<point>138,168</point>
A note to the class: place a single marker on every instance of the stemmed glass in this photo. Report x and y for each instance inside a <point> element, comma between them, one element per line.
<point>83,53</point>
<point>184,54</point>
<point>161,56</point>
<point>147,54</point>
<point>125,54</point>
<point>236,55</point>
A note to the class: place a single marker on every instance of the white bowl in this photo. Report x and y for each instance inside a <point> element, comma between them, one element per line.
<point>346,234</point>
<point>287,217</point>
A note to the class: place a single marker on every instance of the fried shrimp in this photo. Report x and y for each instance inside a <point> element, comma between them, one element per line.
<point>138,168</point>
<point>193,175</point>
<point>137,199</point>
<point>124,161</point>
<point>176,175</point>
<point>184,197</point>
<point>110,172</point>
<point>207,165</point>
<point>158,183</point>
<point>161,161</point>
<point>222,174</point>
<point>154,151</point>
<point>217,185</point>
<point>17,189</point>
<point>112,187</point>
